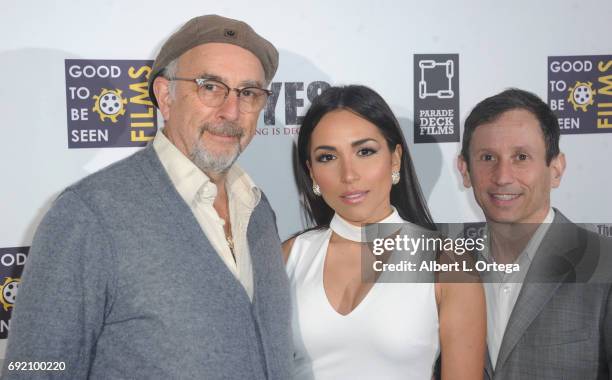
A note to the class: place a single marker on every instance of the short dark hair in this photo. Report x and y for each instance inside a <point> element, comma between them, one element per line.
<point>406,196</point>
<point>493,107</point>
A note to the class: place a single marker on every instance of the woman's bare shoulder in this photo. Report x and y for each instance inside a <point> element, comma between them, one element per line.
<point>286,246</point>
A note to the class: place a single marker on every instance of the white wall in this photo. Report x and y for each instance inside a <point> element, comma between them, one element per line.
<point>500,44</point>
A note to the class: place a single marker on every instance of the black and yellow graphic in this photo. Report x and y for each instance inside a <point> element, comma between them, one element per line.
<point>12,261</point>
<point>580,93</point>
<point>8,292</point>
<point>109,104</point>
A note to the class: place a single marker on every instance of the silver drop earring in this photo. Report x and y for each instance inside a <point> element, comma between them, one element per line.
<point>316,189</point>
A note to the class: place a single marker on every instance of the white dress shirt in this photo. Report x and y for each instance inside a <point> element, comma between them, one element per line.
<point>502,293</point>
<point>199,192</point>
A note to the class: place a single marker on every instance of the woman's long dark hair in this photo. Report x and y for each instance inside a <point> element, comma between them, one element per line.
<point>406,196</point>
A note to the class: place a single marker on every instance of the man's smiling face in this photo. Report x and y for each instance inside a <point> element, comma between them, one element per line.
<point>508,171</point>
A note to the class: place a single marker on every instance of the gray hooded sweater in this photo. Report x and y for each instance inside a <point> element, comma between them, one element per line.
<point>121,283</point>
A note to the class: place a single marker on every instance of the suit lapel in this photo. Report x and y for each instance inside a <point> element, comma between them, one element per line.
<point>488,365</point>
<point>531,301</point>
<point>538,288</point>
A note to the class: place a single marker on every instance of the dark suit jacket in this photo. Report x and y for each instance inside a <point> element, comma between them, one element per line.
<point>561,324</point>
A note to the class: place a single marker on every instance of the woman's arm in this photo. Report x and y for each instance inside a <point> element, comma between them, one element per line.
<point>462,315</point>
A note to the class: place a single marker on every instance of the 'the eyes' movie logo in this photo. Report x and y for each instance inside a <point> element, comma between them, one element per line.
<point>287,105</point>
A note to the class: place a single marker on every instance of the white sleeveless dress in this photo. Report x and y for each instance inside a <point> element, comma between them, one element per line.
<point>392,334</point>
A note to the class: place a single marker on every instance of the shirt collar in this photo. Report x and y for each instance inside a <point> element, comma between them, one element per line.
<point>242,187</point>
<point>538,236</point>
<point>533,244</point>
<point>193,184</point>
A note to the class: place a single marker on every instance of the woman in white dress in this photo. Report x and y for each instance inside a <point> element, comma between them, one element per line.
<point>354,169</point>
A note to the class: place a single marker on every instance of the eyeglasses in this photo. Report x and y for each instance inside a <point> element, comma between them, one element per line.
<point>213,93</point>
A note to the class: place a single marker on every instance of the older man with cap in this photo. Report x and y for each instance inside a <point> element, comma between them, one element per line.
<point>167,264</point>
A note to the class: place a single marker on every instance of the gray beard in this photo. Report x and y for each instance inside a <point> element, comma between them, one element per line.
<point>208,162</point>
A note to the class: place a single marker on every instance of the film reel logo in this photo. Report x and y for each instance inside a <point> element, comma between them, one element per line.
<point>109,104</point>
<point>8,292</point>
<point>581,95</point>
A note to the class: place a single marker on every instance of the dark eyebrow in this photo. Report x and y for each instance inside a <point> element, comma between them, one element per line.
<point>325,147</point>
<point>353,144</point>
<point>517,147</point>
<point>362,141</point>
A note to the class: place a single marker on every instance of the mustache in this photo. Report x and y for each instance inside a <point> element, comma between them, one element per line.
<point>228,129</point>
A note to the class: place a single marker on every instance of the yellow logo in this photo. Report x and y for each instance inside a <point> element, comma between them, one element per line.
<point>8,290</point>
<point>581,95</point>
<point>109,104</point>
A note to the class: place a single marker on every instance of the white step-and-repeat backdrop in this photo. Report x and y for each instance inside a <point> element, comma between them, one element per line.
<point>58,59</point>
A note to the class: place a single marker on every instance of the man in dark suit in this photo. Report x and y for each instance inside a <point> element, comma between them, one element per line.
<point>553,318</point>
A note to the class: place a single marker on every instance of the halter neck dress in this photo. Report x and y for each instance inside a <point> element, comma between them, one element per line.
<point>392,334</point>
